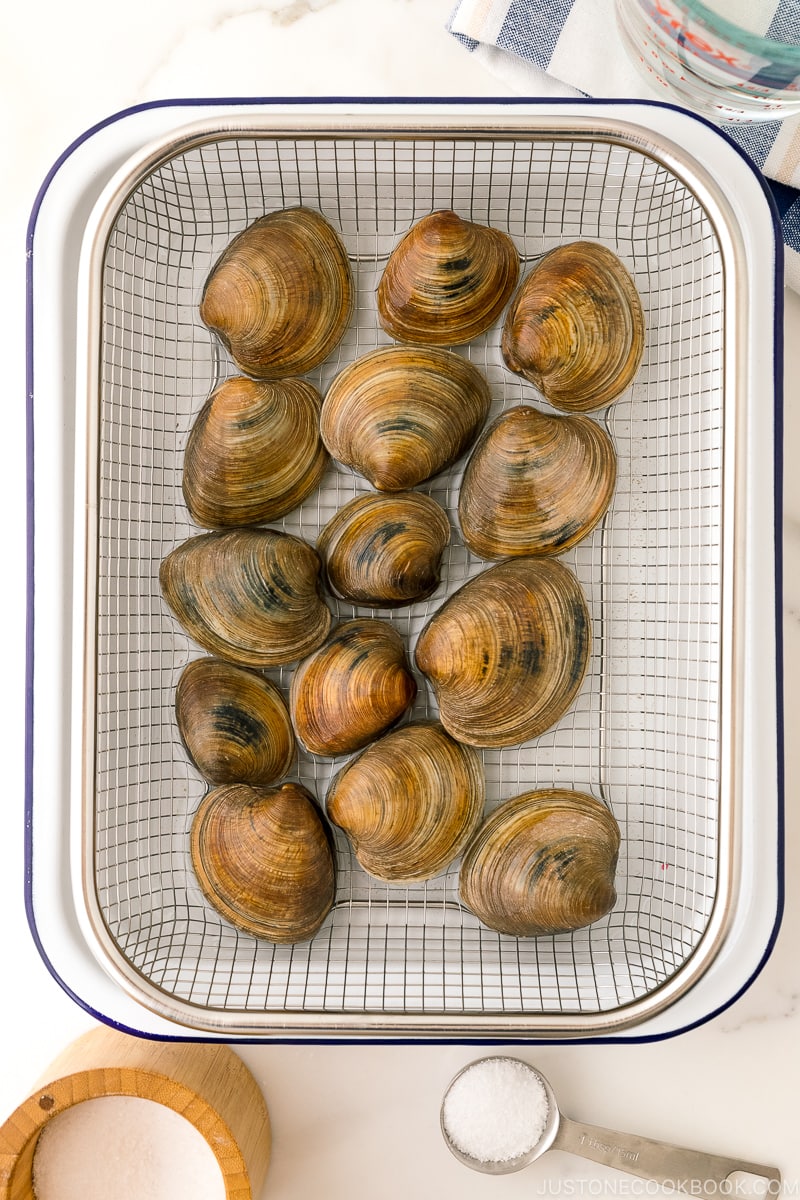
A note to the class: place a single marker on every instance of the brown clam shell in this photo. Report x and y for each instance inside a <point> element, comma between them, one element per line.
<point>446,281</point>
<point>351,689</point>
<point>409,802</point>
<point>254,452</point>
<point>234,723</point>
<point>535,484</point>
<point>263,859</point>
<point>281,295</point>
<point>401,414</point>
<point>385,550</point>
<point>542,863</point>
<point>506,654</point>
<point>250,596</point>
<point>575,328</point>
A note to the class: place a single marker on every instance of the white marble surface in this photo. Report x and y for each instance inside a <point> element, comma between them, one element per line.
<point>352,1121</point>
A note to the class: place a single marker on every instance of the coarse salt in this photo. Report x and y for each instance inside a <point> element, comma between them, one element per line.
<point>127,1148</point>
<point>496,1110</point>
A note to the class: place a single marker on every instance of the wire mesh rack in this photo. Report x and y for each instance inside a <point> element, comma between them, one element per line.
<point>644,732</point>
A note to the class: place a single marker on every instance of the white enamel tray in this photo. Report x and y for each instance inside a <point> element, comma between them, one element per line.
<point>678,725</point>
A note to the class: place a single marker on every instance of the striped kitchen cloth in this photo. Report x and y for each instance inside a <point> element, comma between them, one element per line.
<point>573,48</point>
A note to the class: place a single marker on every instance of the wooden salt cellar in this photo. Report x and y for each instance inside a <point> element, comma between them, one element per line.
<point>208,1084</point>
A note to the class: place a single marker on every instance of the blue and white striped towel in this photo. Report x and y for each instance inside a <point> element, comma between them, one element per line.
<point>575,44</point>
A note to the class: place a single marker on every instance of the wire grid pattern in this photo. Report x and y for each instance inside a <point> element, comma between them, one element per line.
<point>643,733</point>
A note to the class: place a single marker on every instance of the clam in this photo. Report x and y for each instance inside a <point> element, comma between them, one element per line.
<point>409,803</point>
<point>575,327</point>
<point>351,689</point>
<point>234,723</point>
<point>401,414</point>
<point>385,550</point>
<point>535,484</point>
<point>506,654</point>
<point>263,859</point>
<point>542,863</point>
<point>447,281</point>
<point>254,452</point>
<point>249,596</point>
<point>281,294</point>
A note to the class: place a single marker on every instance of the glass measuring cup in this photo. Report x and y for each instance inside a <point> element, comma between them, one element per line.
<point>735,60</point>
<point>644,1157</point>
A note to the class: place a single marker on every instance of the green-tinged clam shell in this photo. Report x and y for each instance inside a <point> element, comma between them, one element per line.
<point>401,414</point>
<point>542,863</point>
<point>385,550</point>
<point>254,452</point>
<point>250,596</point>
<point>507,653</point>
<point>535,484</point>
<point>234,723</point>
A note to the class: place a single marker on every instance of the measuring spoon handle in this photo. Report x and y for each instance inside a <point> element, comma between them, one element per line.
<point>659,1161</point>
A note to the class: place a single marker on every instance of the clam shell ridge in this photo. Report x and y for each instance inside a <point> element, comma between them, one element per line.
<point>263,859</point>
<point>409,802</point>
<point>385,550</point>
<point>542,863</point>
<point>281,295</point>
<point>575,328</point>
<point>254,452</point>
<point>535,484</point>
<point>446,281</point>
<point>401,414</point>
<point>351,689</point>
<point>507,653</point>
<point>234,723</point>
<point>249,596</point>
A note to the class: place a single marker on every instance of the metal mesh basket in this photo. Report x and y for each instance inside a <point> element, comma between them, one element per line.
<point>644,732</point>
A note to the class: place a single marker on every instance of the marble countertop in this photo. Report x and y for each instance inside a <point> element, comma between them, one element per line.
<point>356,1121</point>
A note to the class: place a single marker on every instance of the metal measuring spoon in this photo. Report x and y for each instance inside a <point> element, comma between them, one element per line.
<point>641,1156</point>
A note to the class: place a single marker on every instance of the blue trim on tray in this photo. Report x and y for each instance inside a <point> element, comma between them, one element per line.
<point>360,101</point>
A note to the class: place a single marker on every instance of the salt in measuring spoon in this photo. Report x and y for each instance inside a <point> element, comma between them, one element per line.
<point>661,1162</point>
